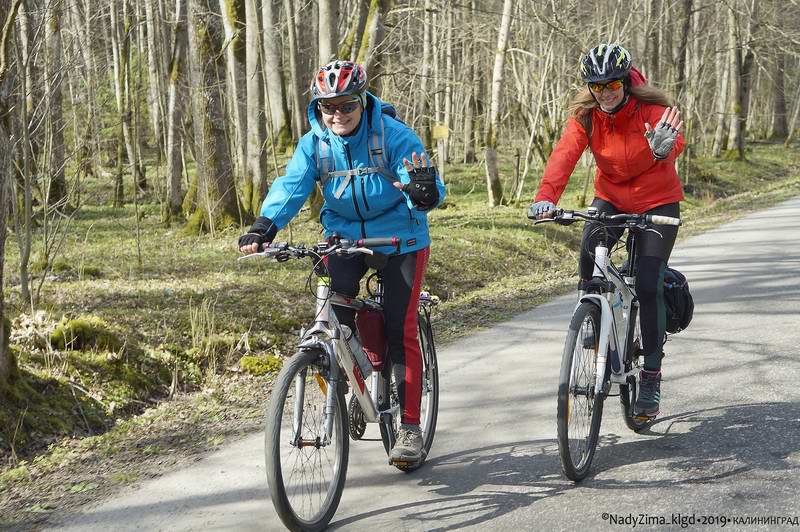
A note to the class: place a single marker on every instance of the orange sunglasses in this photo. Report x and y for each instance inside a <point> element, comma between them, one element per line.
<point>599,87</point>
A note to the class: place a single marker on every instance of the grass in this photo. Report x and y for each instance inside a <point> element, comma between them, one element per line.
<point>192,323</point>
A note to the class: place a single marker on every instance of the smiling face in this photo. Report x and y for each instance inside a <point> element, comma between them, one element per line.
<point>608,98</point>
<point>341,123</point>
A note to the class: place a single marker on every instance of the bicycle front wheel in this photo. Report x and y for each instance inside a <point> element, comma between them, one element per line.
<point>580,409</point>
<point>429,405</point>
<point>306,469</point>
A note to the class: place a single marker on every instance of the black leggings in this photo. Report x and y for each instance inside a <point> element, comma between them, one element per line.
<point>402,281</point>
<point>652,256</point>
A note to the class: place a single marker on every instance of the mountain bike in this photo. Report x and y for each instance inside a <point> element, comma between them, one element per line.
<point>604,342</point>
<point>308,422</point>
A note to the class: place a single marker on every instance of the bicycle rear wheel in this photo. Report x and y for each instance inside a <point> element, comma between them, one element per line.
<point>305,472</point>
<point>580,409</point>
<point>630,391</point>
<point>429,406</point>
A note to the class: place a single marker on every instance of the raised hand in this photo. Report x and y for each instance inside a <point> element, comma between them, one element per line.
<point>662,138</point>
<point>422,188</point>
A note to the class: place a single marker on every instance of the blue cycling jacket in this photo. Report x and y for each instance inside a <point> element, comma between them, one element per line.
<point>369,206</point>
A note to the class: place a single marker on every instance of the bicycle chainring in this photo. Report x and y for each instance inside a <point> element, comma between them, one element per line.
<point>355,419</point>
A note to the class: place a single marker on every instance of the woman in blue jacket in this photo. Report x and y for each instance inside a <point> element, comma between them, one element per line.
<point>376,182</point>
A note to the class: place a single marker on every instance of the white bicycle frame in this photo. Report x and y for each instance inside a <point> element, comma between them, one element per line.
<point>615,311</point>
<point>326,334</point>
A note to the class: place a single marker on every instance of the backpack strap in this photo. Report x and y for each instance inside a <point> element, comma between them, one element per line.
<point>377,147</point>
<point>324,160</point>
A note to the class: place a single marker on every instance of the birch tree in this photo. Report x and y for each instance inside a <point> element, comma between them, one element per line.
<point>176,103</point>
<point>493,185</point>
<point>234,47</point>
<point>254,176</point>
<point>328,35</point>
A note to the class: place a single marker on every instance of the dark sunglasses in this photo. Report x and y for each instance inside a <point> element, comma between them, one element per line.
<point>599,87</point>
<point>344,108</point>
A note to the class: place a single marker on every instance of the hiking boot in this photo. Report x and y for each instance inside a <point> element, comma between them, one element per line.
<point>649,394</point>
<point>408,447</point>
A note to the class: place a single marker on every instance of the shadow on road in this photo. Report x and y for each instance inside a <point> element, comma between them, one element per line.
<point>705,446</point>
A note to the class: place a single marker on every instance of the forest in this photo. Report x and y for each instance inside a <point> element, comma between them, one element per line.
<point>138,138</point>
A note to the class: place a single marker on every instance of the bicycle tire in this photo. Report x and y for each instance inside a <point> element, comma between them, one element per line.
<point>430,395</point>
<point>576,382</point>
<point>294,502</point>
<point>630,391</point>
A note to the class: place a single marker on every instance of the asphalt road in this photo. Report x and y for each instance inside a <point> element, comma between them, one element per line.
<point>727,444</point>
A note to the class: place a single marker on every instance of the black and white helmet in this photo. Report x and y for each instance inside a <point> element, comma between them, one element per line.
<point>605,62</point>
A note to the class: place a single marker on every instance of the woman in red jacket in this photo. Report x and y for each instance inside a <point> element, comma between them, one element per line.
<point>612,116</point>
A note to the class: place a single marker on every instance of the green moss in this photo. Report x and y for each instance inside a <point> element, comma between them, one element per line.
<point>18,474</point>
<point>91,272</point>
<point>260,365</point>
<point>87,332</point>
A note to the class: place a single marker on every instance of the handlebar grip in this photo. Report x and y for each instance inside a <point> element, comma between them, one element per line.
<point>378,242</point>
<point>663,220</point>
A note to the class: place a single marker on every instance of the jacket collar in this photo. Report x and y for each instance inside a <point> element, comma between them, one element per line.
<point>625,112</point>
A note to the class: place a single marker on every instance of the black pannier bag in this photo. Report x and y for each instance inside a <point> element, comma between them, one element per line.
<point>677,300</point>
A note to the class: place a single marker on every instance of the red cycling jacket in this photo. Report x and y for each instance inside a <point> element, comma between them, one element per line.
<point>627,175</point>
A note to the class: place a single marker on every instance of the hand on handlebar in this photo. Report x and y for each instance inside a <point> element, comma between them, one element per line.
<point>260,235</point>
<point>541,209</point>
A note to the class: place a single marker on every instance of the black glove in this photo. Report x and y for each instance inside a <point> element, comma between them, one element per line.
<point>422,189</point>
<point>262,232</point>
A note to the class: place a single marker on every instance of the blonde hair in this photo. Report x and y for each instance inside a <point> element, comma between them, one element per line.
<point>583,103</point>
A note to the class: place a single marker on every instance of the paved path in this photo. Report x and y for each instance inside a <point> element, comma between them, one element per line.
<point>727,444</point>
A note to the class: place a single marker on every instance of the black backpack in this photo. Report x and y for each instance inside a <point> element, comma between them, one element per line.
<point>677,300</point>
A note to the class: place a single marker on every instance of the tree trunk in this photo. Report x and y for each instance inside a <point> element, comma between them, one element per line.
<point>686,24</point>
<point>57,190</point>
<point>155,70</point>
<point>328,34</point>
<point>175,108</point>
<point>369,54</point>
<point>493,184</point>
<point>281,131</point>
<point>423,105</point>
<point>8,366</point>
<point>295,84</point>
<point>235,51</point>
<point>352,41</point>
<point>216,192</point>
<point>255,115</point>
<point>723,71</point>
<point>735,137</point>
<point>780,127</point>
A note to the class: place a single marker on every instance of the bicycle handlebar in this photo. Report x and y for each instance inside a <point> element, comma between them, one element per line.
<point>284,251</point>
<point>565,217</point>
<point>663,220</point>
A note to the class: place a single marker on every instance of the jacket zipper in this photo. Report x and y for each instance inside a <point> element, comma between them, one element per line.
<point>353,191</point>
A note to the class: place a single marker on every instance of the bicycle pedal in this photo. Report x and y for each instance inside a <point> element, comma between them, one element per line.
<point>642,419</point>
<point>403,464</point>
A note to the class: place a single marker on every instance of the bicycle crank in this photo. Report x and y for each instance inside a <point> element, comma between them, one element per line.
<point>355,419</point>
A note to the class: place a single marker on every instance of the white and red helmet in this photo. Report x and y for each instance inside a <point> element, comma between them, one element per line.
<point>339,78</point>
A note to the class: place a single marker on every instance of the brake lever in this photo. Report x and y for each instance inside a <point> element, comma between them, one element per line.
<point>650,229</point>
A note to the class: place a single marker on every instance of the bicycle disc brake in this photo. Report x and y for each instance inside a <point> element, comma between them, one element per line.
<point>355,419</point>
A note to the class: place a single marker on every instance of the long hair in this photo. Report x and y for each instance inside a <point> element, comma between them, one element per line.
<point>583,103</point>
